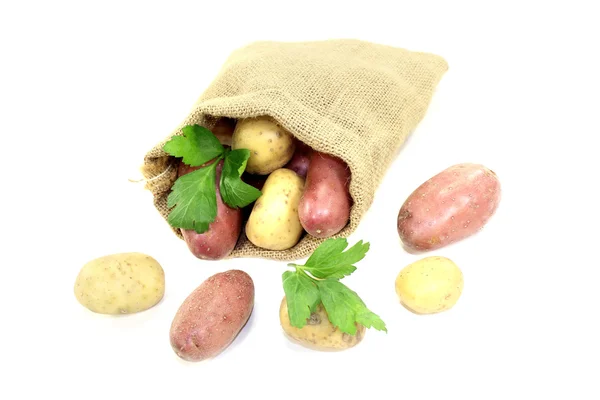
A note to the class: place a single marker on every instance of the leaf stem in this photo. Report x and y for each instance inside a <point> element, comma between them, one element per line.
<point>302,269</point>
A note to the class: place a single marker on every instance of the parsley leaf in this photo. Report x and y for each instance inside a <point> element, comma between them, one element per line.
<point>344,307</point>
<point>302,296</point>
<point>195,200</point>
<point>193,195</point>
<point>330,260</point>
<point>197,145</point>
<point>326,265</point>
<point>234,191</point>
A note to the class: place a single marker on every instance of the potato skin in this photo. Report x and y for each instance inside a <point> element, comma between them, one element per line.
<point>122,283</point>
<point>212,316</point>
<point>301,159</point>
<point>430,285</point>
<point>223,233</point>
<point>324,209</point>
<point>273,223</point>
<point>319,333</point>
<point>449,207</point>
<point>271,146</point>
<point>223,130</point>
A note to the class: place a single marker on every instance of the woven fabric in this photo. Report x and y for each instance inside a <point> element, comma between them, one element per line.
<point>354,99</point>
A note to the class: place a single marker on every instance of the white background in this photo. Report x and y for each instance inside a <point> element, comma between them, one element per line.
<point>86,89</point>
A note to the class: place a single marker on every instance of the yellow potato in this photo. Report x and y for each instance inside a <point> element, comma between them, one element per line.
<point>121,283</point>
<point>319,333</point>
<point>273,223</point>
<point>430,285</point>
<point>271,146</point>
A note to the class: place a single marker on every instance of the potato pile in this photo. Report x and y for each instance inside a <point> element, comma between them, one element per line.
<point>303,191</point>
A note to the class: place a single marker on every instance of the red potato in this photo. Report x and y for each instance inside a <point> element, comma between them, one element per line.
<point>223,130</point>
<point>452,205</point>
<point>324,208</point>
<point>212,316</point>
<point>301,159</point>
<point>223,233</point>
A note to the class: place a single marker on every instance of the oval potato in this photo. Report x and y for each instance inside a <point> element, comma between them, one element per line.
<point>222,234</point>
<point>273,223</point>
<point>270,146</point>
<point>430,285</point>
<point>319,333</point>
<point>212,316</point>
<point>122,283</point>
<point>324,208</point>
<point>452,205</point>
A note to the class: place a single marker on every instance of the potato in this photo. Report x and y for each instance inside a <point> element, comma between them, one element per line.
<point>319,333</point>
<point>223,130</point>
<point>300,160</point>
<point>212,316</point>
<point>430,285</point>
<point>324,209</point>
<point>223,233</point>
<point>271,146</point>
<point>452,205</point>
<point>122,283</point>
<point>273,223</point>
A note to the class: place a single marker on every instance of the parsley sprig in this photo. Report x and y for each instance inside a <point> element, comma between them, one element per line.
<point>317,282</point>
<point>193,197</point>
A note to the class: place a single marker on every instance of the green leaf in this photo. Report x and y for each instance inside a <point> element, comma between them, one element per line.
<point>194,199</point>
<point>330,260</point>
<point>197,145</point>
<point>344,307</point>
<point>234,191</point>
<point>369,319</point>
<point>302,296</point>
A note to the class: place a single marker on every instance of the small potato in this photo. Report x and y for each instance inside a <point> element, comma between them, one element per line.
<point>122,283</point>
<point>273,223</point>
<point>212,316</point>
<point>430,285</point>
<point>324,209</point>
<point>223,233</point>
<point>319,333</point>
<point>271,146</point>
<point>452,205</point>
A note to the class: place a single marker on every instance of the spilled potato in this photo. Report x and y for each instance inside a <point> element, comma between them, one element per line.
<point>319,333</point>
<point>122,283</point>
<point>430,285</point>
<point>212,316</point>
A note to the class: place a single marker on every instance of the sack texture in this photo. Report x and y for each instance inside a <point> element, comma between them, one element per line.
<point>349,98</point>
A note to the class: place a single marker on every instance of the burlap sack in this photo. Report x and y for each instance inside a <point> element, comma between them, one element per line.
<point>350,98</point>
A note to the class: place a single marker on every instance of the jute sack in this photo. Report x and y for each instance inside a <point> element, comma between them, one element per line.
<point>353,99</point>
